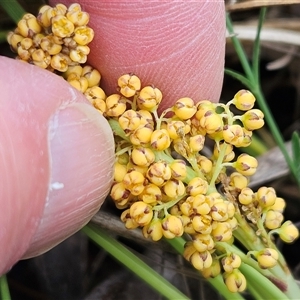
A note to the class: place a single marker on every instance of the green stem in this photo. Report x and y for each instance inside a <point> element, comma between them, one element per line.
<point>133,263</point>
<point>4,290</point>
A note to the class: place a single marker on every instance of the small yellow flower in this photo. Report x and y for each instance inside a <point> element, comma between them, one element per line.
<point>129,84</point>
<point>62,27</point>
<point>153,230</point>
<point>119,171</point>
<point>266,196</point>
<point>279,205</point>
<point>267,258</point>
<point>151,194</point>
<point>76,15</point>
<point>79,54</point>
<point>221,231</point>
<point>253,119</point>
<point>178,169</point>
<point>238,181</point>
<point>116,105</point>
<point>141,213</point>
<point>119,193</point>
<point>130,223</point>
<point>177,129</point>
<point>40,58</point>
<point>273,219</point>
<point>51,44</point>
<point>174,188</point>
<point>203,242</point>
<point>196,143</point>
<point>219,211</point>
<point>83,35</point>
<point>201,260</point>
<point>78,82</point>
<point>243,100</point>
<point>149,98</point>
<point>172,227</point>
<point>246,164</point>
<point>160,139</point>
<point>141,135</point>
<point>204,164</point>
<point>230,262</point>
<point>92,75</point>
<point>212,271</point>
<point>134,182</point>
<point>246,196</point>
<point>202,224</point>
<point>184,108</point>
<point>159,172</point>
<point>288,232</point>
<point>235,281</point>
<point>28,26</point>
<point>197,186</point>
<point>142,156</point>
<point>60,62</point>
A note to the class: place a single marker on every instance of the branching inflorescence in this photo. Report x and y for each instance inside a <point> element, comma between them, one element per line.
<point>163,182</point>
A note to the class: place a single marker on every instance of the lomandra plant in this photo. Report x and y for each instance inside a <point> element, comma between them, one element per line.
<point>163,183</point>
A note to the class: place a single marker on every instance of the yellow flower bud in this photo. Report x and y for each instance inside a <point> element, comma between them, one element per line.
<point>83,35</point>
<point>219,211</point>
<point>62,27</point>
<point>189,250</point>
<point>153,230</point>
<point>201,204</point>
<point>266,196</point>
<point>211,122</point>
<point>141,135</point>
<point>238,181</point>
<point>141,213</point>
<point>76,68</point>
<point>76,16</point>
<point>246,164</point>
<point>203,242</point>
<point>40,58</point>
<point>60,62</point>
<point>212,271</point>
<point>177,129</point>
<point>246,196</point>
<point>119,192</point>
<point>184,108</point>
<point>253,119</point>
<point>197,186</point>
<point>130,120</point>
<point>279,205</point>
<point>78,82</point>
<point>288,232</point>
<point>92,75</point>
<point>28,26</point>
<point>204,164</point>
<point>160,139</point>
<point>151,194</point>
<point>119,171</point>
<point>134,182</point>
<point>14,39</point>
<point>129,84</point>
<point>116,105</point>
<point>130,223</point>
<point>178,169</point>
<point>230,262</point>
<point>142,156</point>
<point>267,258</point>
<point>235,281</point>
<point>43,18</point>
<point>273,219</point>
<point>221,231</point>
<point>146,118</point>
<point>202,224</point>
<point>50,44</point>
<point>132,167</point>
<point>149,98</point>
<point>196,143</point>
<point>159,172</point>
<point>201,260</point>
<point>97,97</point>
<point>203,107</point>
<point>233,134</point>
<point>172,227</point>
<point>243,100</point>
<point>174,188</point>
<point>79,54</point>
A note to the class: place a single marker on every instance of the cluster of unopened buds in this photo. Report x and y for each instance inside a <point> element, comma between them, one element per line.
<point>163,182</point>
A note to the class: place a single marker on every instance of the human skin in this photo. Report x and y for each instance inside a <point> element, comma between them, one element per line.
<point>56,151</point>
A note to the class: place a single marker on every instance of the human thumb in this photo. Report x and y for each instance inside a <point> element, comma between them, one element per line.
<point>56,158</point>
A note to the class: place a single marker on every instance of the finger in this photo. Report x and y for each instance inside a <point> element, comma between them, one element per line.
<point>177,46</point>
<point>56,156</point>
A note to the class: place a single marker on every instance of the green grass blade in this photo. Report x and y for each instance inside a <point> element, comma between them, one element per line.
<point>4,290</point>
<point>240,77</point>
<point>132,262</point>
<point>256,48</point>
<point>296,152</point>
<point>13,9</point>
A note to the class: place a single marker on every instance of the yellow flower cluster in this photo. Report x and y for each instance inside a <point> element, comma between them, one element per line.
<point>162,181</point>
<point>56,39</point>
